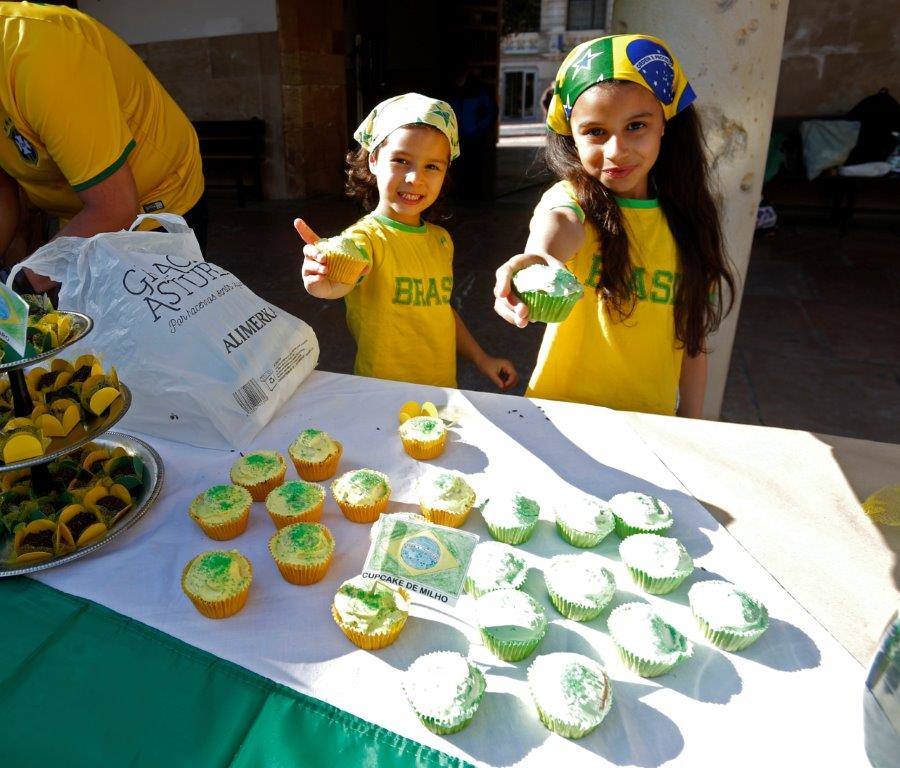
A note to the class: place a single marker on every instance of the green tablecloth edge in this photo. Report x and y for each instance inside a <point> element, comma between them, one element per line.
<point>27,655</point>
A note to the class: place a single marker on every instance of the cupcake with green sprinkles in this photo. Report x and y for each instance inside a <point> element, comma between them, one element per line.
<point>548,292</point>
<point>302,552</point>
<point>512,623</point>
<point>571,692</point>
<point>657,564</point>
<point>315,455</point>
<point>444,690</point>
<point>640,513</point>
<point>580,587</point>
<point>729,617</point>
<point>423,437</point>
<point>295,502</point>
<point>362,495</point>
<point>584,521</point>
<point>446,498</point>
<point>218,582</point>
<point>369,612</point>
<point>259,472</point>
<point>511,519</point>
<point>495,566</point>
<point>222,512</point>
<point>646,643</point>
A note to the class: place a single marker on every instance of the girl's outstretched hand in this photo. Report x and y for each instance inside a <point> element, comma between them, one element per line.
<point>315,265</point>
<point>499,370</point>
<point>506,303</point>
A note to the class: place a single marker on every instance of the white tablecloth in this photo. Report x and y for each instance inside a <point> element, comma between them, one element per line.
<point>794,698</point>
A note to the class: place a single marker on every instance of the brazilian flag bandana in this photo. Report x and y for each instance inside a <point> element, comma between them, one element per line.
<point>641,59</point>
<point>408,109</point>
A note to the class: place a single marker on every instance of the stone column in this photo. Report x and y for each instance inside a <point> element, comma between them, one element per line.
<point>731,53</point>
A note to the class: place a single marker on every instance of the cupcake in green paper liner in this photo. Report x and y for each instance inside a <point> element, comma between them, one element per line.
<point>512,623</point>
<point>640,513</point>
<point>494,566</point>
<point>657,564</point>
<point>548,292</point>
<point>444,690</point>
<point>571,692</point>
<point>346,260</point>
<point>584,521</point>
<point>579,586</point>
<point>729,617</point>
<point>511,519</point>
<point>647,644</point>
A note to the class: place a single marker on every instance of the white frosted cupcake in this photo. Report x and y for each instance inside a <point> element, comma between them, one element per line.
<point>362,495</point>
<point>548,292</point>
<point>315,454</point>
<point>511,519</point>
<point>446,498</point>
<point>512,623</point>
<point>646,643</point>
<point>640,513</point>
<point>423,437</point>
<point>444,691</point>
<point>729,617</point>
<point>571,692</point>
<point>657,564</point>
<point>579,586</point>
<point>494,566</point>
<point>584,521</point>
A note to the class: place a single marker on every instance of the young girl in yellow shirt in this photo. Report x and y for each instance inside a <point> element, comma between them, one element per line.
<point>399,312</point>
<point>632,217</point>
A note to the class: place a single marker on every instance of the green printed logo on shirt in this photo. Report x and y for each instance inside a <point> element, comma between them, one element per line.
<point>422,292</point>
<point>660,287</point>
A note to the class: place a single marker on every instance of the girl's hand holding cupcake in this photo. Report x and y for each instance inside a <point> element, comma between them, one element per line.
<point>315,271</point>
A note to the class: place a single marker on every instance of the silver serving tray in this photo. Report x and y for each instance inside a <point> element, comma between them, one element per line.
<point>81,327</point>
<point>155,475</point>
<point>83,433</point>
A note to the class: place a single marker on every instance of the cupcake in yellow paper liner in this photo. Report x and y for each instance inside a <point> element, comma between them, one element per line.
<point>369,612</point>
<point>295,502</point>
<point>218,582</point>
<point>346,260</point>
<point>259,472</point>
<point>446,498</point>
<point>362,495</point>
<point>424,437</point>
<point>315,455</point>
<point>302,552</point>
<point>222,512</point>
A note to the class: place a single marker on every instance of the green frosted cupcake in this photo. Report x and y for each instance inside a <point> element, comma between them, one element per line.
<point>511,519</point>
<point>571,692</point>
<point>646,643</point>
<point>346,260</point>
<point>548,292</point>
<point>444,691</point>
<point>657,564</point>
<point>222,512</point>
<point>639,513</point>
<point>369,612</point>
<point>259,472</point>
<point>295,502</point>
<point>579,586</point>
<point>494,566</point>
<point>729,617</point>
<point>445,498</point>
<point>584,521</point>
<point>512,623</point>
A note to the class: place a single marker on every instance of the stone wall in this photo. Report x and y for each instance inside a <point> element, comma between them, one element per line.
<point>227,78</point>
<point>836,53</point>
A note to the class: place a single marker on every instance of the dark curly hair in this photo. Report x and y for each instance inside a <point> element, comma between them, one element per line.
<point>362,186</point>
<point>681,177</point>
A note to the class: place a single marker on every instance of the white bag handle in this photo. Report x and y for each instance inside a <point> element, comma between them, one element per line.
<point>171,222</point>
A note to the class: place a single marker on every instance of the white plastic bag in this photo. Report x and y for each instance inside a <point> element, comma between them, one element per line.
<point>207,361</point>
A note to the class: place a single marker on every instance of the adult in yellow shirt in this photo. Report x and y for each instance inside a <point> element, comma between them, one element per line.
<point>87,130</point>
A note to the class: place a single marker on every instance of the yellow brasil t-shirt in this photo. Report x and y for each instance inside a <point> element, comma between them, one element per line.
<point>400,313</point>
<point>75,103</point>
<point>594,357</point>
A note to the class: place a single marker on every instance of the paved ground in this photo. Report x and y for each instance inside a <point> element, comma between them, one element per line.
<point>818,342</point>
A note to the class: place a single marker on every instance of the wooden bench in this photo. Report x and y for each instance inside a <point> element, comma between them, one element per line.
<point>232,152</point>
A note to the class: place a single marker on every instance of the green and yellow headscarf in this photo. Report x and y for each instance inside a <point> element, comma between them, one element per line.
<point>408,109</point>
<point>641,59</point>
